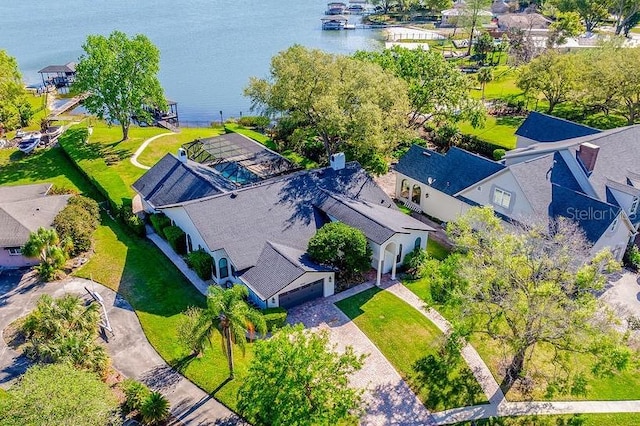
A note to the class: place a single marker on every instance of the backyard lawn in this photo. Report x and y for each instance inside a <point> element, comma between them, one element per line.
<point>408,339</point>
<point>497,130</point>
<point>170,143</point>
<point>436,250</point>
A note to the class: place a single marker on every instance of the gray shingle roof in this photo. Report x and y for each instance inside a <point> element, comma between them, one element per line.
<point>449,173</point>
<point>19,218</point>
<point>277,267</point>
<point>9,194</point>
<point>281,210</point>
<point>171,181</point>
<point>546,128</point>
<point>377,222</point>
<point>51,69</point>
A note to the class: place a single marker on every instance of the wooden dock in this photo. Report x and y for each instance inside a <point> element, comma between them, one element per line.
<point>168,126</point>
<point>69,105</point>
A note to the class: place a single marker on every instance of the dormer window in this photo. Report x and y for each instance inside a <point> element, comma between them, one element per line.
<point>501,198</point>
<point>634,206</point>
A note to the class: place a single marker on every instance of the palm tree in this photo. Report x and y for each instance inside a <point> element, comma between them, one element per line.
<point>485,75</point>
<point>154,409</point>
<point>228,313</point>
<point>45,244</point>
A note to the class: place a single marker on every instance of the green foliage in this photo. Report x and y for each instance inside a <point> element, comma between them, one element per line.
<point>592,12</point>
<point>77,221</point>
<point>154,409</point>
<point>259,121</point>
<point>342,247</point>
<point>275,318</point>
<point>133,221</point>
<point>498,154</point>
<point>298,378</point>
<point>226,312</point>
<point>120,76</point>
<point>135,393</point>
<point>159,221</point>
<point>176,239</point>
<point>567,24</point>
<point>483,46</point>
<point>46,245</point>
<point>350,105</point>
<point>201,262</point>
<point>59,395</point>
<point>64,331</point>
<point>632,257</point>
<point>414,262</point>
<point>14,109</point>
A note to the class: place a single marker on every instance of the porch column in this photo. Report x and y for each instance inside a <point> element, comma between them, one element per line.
<point>393,268</point>
<point>379,270</point>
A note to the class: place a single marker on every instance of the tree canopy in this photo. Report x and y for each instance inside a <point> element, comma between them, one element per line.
<point>14,109</point>
<point>592,12</point>
<point>120,74</point>
<point>532,287</point>
<point>343,247</point>
<point>59,395</point>
<point>296,377</point>
<point>438,90</point>
<point>349,105</point>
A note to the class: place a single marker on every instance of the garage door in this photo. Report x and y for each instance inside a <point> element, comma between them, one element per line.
<point>302,294</point>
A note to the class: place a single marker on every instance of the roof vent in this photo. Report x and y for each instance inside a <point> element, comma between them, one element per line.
<point>426,153</point>
<point>337,161</point>
<point>234,194</point>
<point>182,155</point>
<point>588,154</point>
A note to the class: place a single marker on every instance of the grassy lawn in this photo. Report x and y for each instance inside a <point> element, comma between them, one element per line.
<point>170,143</point>
<point>437,250</point>
<point>407,339</point>
<point>497,130</point>
<point>618,419</point>
<point>294,157</point>
<point>159,294</point>
<point>621,386</point>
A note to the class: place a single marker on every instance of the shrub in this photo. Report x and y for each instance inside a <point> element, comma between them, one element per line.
<point>498,154</point>
<point>134,222</point>
<point>176,239</point>
<point>77,221</point>
<point>275,318</point>
<point>632,257</point>
<point>154,409</point>
<point>135,393</point>
<point>414,262</point>
<point>201,262</point>
<point>254,121</point>
<point>160,221</point>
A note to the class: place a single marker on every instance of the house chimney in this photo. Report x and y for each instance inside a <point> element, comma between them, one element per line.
<point>182,155</point>
<point>337,161</point>
<point>588,154</point>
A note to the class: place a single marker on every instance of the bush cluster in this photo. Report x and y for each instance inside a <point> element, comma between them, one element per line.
<point>159,221</point>
<point>151,407</point>
<point>77,221</point>
<point>632,257</point>
<point>275,318</point>
<point>258,121</point>
<point>176,239</point>
<point>201,262</point>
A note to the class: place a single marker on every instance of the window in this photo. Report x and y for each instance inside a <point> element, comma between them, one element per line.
<point>399,257</point>
<point>222,265</point>
<point>14,251</point>
<point>404,189</point>
<point>634,206</point>
<point>415,197</point>
<point>417,244</point>
<point>614,224</point>
<point>501,198</point>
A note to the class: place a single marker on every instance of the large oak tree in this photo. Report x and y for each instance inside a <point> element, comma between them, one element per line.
<point>14,109</point>
<point>120,75</point>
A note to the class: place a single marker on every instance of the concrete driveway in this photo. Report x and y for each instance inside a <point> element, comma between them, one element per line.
<point>623,295</point>
<point>130,352</point>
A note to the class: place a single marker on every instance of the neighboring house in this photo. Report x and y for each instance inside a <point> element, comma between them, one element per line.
<point>451,17</point>
<point>430,182</point>
<point>24,209</point>
<point>593,180</point>
<point>539,127</point>
<point>530,22</point>
<point>257,234</point>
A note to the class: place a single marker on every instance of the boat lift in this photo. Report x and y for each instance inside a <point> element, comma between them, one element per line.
<point>105,320</point>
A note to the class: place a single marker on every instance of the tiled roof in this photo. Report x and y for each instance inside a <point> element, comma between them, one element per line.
<point>546,128</point>
<point>449,173</point>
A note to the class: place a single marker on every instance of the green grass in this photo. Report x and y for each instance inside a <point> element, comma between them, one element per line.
<point>437,250</point>
<point>170,143</point>
<point>290,155</point>
<point>499,131</point>
<point>44,165</point>
<point>618,419</point>
<point>407,338</point>
<point>159,293</point>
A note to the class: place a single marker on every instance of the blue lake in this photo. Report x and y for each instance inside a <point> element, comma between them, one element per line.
<point>209,48</point>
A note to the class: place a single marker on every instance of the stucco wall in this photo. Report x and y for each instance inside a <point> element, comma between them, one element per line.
<point>522,142</point>
<point>616,240</point>
<point>11,261</point>
<point>306,278</point>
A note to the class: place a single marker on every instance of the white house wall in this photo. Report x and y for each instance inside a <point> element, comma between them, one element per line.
<point>407,241</point>
<point>616,240</point>
<point>482,193</point>
<point>522,142</point>
<point>433,202</point>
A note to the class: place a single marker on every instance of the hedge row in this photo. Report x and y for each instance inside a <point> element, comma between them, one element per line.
<point>275,318</point>
<point>106,181</point>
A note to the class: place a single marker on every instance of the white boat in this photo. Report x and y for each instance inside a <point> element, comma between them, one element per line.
<point>29,142</point>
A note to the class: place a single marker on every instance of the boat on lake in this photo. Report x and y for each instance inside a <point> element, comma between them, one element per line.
<point>337,22</point>
<point>29,142</point>
<point>335,8</point>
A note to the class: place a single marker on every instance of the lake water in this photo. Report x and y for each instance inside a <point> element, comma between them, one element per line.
<point>209,48</point>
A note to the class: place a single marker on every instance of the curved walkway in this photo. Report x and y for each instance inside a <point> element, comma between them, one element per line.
<point>130,352</point>
<point>134,157</point>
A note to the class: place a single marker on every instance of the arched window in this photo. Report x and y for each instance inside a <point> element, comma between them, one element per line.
<point>189,244</point>
<point>399,257</point>
<point>417,244</point>
<point>415,197</point>
<point>404,189</point>
<point>222,265</point>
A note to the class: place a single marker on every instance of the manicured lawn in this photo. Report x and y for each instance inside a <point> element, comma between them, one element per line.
<point>159,293</point>
<point>618,419</point>
<point>170,143</point>
<point>621,386</point>
<point>44,165</point>
<point>407,339</point>
<point>499,131</point>
<point>503,85</point>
